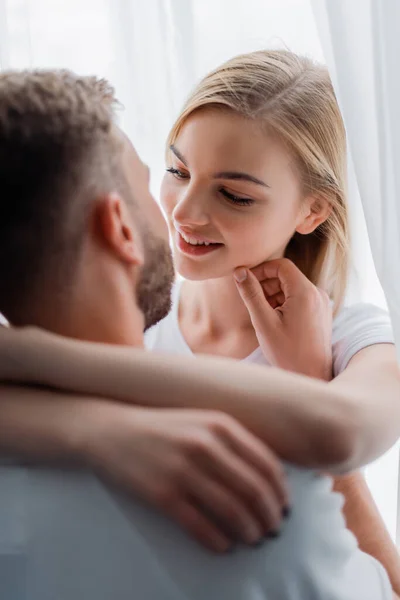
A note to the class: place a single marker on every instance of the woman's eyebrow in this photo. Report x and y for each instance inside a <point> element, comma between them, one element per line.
<point>175,150</point>
<point>239,176</point>
<point>233,175</point>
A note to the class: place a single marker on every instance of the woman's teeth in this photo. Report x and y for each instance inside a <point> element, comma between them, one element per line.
<point>193,241</point>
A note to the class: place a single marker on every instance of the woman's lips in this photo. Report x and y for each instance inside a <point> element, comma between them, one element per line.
<point>194,250</point>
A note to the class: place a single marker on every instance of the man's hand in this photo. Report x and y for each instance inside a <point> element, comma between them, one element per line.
<point>201,468</point>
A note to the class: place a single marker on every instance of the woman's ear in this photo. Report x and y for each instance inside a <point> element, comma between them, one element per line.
<point>314,211</point>
<point>116,228</point>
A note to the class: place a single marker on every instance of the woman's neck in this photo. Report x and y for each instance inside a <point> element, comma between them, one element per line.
<point>215,307</point>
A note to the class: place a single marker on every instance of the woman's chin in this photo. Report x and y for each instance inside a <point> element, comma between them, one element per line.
<point>201,272</point>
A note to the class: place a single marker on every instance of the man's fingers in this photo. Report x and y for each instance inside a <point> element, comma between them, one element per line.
<point>252,294</point>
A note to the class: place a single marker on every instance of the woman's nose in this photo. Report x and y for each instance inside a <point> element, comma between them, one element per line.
<point>190,209</point>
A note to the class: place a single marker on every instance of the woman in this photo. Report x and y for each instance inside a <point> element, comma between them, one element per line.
<point>256,178</point>
<point>257,172</point>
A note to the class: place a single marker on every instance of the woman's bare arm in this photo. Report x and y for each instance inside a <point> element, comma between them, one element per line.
<point>342,425</point>
<point>364,520</point>
<point>371,382</point>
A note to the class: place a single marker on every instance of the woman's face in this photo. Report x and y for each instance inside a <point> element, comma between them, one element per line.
<point>231,194</point>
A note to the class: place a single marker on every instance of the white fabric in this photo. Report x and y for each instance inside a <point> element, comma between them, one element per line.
<point>144,48</point>
<point>361,43</point>
<point>355,327</point>
<point>65,535</point>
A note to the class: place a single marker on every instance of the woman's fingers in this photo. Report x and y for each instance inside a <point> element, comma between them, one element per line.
<point>234,495</point>
<point>286,309</point>
<point>271,286</point>
<point>276,300</point>
<point>238,485</point>
<point>255,453</point>
<point>252,294</point>
<point>291,279</point>
<point>227,508</point>
<point>279,279</point>
<point>199,526</point>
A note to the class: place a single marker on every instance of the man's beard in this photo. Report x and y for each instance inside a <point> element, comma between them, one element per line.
<point>157,276</point>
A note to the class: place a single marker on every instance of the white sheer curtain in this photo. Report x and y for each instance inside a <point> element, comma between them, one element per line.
<point>153,52</point>
<point>143,48</point>
<point>362,45</point>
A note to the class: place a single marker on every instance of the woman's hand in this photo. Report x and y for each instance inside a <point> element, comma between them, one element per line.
<point>201,468</point>
<point>292,318</point>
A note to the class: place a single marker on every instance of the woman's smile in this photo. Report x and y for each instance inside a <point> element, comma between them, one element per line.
<point>193,245</point>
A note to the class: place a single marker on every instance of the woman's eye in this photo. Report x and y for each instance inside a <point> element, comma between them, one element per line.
<point>177,173</point>
<point>237,199</point>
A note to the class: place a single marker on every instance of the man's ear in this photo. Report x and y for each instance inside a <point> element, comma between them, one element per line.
<point>115,227</point>
<point>315,210</point>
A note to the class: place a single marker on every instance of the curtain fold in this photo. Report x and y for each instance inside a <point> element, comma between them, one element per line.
<point>361,43</point>
<point>152,69</point>
<point>4,41</point>
<point>145,49</point>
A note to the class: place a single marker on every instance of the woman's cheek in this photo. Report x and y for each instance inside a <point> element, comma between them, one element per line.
<point>258,245</point>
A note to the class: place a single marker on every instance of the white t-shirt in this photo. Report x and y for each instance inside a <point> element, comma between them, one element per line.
<point>354,328</point>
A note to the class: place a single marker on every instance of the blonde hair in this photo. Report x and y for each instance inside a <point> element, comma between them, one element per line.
<point>294,97</point>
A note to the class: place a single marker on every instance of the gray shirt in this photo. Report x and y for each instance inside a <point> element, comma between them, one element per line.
<point>64,535</point>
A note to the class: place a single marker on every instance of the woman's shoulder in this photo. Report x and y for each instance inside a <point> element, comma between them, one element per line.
<point>165,336</point>
<point>160,335</point>
<point>355,327</point>
<point>3,321</point>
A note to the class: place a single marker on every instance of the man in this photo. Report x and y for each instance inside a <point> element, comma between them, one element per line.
<point>85,255</point>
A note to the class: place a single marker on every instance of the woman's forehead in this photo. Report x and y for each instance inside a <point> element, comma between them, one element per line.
<point>216,140</point>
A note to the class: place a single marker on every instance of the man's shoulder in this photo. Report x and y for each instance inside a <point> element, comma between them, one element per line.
<point>74,520</point>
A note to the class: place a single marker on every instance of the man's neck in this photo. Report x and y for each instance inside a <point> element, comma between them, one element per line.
<point>94,323</point>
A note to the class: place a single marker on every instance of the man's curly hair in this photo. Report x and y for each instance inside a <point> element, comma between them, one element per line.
<point>58,151</point>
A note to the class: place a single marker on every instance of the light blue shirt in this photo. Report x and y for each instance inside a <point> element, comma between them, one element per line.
<point>64,535</point>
